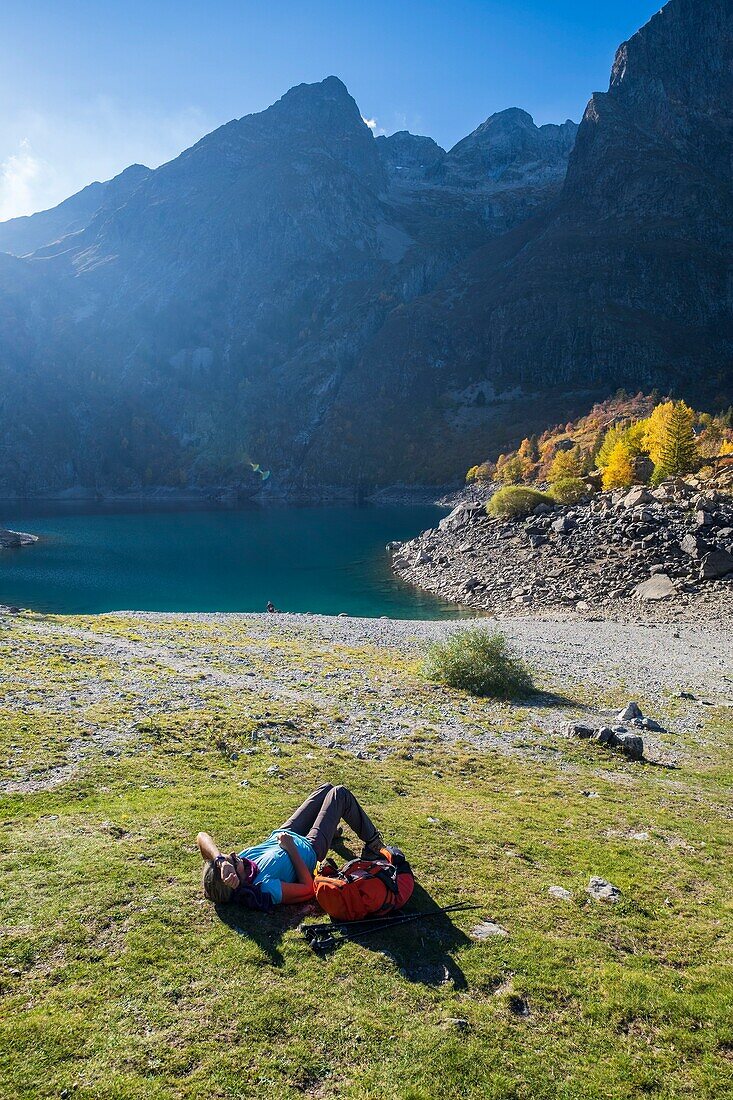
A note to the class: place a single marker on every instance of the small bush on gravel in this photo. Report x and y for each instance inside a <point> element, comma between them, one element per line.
<point>516,501</point>
<point>478,662</point>
<point>569,490</point>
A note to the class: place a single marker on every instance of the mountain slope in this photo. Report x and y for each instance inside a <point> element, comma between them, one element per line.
<point>20,236</point>
<point>626,282</point>
<point>208,321</point>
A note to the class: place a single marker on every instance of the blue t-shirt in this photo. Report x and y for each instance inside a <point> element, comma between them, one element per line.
<point>275,865</point>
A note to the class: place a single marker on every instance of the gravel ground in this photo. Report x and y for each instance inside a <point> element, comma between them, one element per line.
<point>652,658</point>
<point>349,682</point>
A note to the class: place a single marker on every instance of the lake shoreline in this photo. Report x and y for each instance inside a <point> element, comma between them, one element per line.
<point>227,497</point>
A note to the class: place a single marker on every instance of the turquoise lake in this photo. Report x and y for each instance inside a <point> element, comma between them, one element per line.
<point>324,560</point>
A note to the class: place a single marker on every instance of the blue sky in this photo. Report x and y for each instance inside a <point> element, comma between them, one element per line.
<point>90,87</point>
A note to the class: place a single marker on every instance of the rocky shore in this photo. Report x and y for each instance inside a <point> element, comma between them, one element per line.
<point>618,555</point>
<point>11,540</point>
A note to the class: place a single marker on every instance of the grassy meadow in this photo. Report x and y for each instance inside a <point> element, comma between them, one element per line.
<point>121,737</point>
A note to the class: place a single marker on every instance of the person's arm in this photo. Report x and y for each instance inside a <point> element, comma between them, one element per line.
<point>207,847</point>
<point>303,889</point>
<point>294,892</point>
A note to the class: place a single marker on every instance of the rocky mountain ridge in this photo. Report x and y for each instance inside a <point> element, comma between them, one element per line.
<point>624,282</point>
<point>21,236</point>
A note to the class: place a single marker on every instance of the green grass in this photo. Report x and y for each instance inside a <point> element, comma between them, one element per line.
<point>118,981</point>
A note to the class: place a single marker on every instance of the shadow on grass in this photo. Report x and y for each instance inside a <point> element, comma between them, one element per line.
<point>266,929</point>
<point>421,951</point>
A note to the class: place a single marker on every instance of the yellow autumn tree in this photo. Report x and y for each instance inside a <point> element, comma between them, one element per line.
<point>656,429</point>
<point>677,451</point>
<point>619,469</point>
<point>571,463</point>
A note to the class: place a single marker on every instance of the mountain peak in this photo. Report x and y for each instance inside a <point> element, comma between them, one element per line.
<point>331,90</point>
<point>511,117</point>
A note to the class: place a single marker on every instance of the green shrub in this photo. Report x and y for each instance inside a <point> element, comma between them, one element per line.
<point>515,501</point>
<point>569,490</point>
<point>478,662</point>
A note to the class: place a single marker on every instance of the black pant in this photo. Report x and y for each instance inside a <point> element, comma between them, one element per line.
<point>319,816</point>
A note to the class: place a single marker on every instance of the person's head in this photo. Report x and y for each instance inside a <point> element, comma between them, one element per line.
<point>223,876</point>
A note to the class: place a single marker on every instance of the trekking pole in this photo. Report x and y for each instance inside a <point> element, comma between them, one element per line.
<point>312,930</point>
<point>394,918</point>
<point>338,934</point>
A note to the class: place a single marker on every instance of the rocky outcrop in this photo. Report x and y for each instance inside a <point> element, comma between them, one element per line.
<point>618,551</point>
<point>12,540</point>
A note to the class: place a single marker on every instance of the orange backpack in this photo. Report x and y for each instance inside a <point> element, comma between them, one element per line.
<point>365,887</point>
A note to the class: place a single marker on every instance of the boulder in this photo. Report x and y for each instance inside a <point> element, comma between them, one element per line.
<point>606,736</point>
<point>579,729</point>
<point>636,496</point>
<point>648,724</point>
<point>694,546</point>
<point>659,587</point>
<point>631,710</point>
<point>602,890</point>
<point>631,745</point>
<point>716,564</point>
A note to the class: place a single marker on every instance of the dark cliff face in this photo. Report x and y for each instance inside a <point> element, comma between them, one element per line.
<point>626,281</point>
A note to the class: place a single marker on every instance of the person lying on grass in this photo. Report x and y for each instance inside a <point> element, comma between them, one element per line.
<point>280,869</point>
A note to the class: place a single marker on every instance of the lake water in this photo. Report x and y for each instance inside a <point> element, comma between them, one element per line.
<point>323,560</point>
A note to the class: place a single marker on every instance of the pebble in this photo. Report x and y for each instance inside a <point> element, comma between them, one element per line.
<point>560,893</point>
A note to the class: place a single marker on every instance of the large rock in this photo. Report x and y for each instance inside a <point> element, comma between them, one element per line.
<point>716,564</point>
<point>694,546</point>
<point>659,587</point>
<point>636,496</point>
<point>631,745</point>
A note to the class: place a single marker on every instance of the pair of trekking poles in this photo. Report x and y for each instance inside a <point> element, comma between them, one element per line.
<point>324,937</point>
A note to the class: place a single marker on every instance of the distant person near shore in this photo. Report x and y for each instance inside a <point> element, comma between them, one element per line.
<point>270,609</point>
<point>280,869</point>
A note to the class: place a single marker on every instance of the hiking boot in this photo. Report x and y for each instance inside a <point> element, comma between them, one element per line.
<point>372,848</point>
